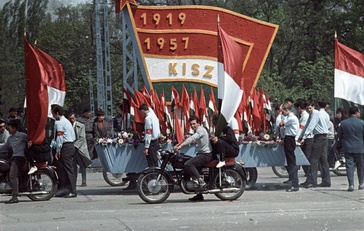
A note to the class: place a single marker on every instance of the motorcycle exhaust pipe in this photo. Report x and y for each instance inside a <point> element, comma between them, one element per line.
<point>224,190</point>
<point>33,193</point>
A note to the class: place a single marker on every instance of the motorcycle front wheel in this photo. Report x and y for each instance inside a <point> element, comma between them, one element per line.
<point>230,179</point>
<point>152,190</point>
<point>42,181</point>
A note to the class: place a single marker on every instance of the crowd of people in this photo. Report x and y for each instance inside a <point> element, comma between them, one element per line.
<point>72,142</point>
<point>296,123</point>
<point>299,122</point>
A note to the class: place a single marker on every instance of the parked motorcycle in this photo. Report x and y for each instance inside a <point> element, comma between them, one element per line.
<point>39,186</point>
<point>156,184</point>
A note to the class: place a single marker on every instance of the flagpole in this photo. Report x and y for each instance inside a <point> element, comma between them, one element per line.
<point>25,17</point>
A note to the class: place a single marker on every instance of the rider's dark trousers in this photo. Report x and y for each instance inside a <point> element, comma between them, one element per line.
<point>289,145</point>
<point>224,149</point>
<point>16,163</point>
<point>198,161</point>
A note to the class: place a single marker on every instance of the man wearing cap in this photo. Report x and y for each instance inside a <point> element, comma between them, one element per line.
<point>151,135</point>
<point>88,121</point>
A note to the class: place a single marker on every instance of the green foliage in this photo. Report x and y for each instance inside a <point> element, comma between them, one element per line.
<point>299,65</point>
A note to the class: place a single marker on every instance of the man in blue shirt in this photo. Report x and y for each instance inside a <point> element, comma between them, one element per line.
<point>318,125</point>
<point>291,127</point>
<point>65,149</point>
<point>151,135</point>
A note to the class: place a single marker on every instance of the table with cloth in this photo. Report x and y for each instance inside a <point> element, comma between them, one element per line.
<point>127,158</point>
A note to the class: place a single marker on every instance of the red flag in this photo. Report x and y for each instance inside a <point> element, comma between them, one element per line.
<point>202,105</point>
<point>257,122</point>
<point>138,99</point>
<point>156,104</point>
<point>178,129</point>
<point>174,99</point>
<point>212,102</point>
<point>194,103</point>
<point>349,77</point>
<point>36,78</point>
<point>185,101</point>
<point>126,101</point>
<point>230,79</point>
<point>56,85</point>
<point>147,97</point>
<point>167,117</point>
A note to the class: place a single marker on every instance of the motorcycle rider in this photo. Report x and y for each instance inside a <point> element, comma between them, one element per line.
<point>18,142</point>
<point>203,155</point>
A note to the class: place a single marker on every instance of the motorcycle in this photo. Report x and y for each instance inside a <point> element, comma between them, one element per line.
<point>155,184</point>
<point>39,186</point>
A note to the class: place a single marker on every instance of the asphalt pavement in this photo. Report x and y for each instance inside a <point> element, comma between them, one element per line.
<point>265,207</point>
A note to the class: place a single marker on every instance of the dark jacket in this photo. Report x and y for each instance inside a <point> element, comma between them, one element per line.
<point>351,135</point>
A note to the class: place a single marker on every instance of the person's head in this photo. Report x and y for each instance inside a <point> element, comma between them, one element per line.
<point>322,103</point>
<point>72,117</point>
<point>300,106</point>
<point>340,113</point>
<point>310,106</point>
<point>215,118</point>
<point>2,125</point>
<point>86,112</point>
<point>100,114</point>
<point>13,126</point>
<point>354,111</point>
<point>289,101</point>
<point>19,112</point>
<point>194,122</point>
<point>12,112</point>
<point>286,109</point>
<point>277,109</point>
<point>144,109</point>
<point>57,111</point>
<point>327,105</point>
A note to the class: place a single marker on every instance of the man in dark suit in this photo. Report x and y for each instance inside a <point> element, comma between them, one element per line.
<point>351,138</point>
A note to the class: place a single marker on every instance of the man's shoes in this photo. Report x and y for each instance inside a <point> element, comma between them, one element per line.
<point>70,195</point>
<point>220,164</point>
<point>351,188</point>
<point>361,187</point>
<point>305,183</point>
<point>32,170</point>
<point>292,189</point>
<point>83,185</point>
<point>198,197</point>
<point>287,182</point>
<point>324,185</point>
<point>309,185</point>
<point>13,200</point>
<point>61,193</point>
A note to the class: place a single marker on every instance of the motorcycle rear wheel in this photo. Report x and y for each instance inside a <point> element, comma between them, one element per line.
<point>114,179</point>
<point>151,191</point>
<point>280,171</point>
<point>45,182</point>
<point>232,179</point>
